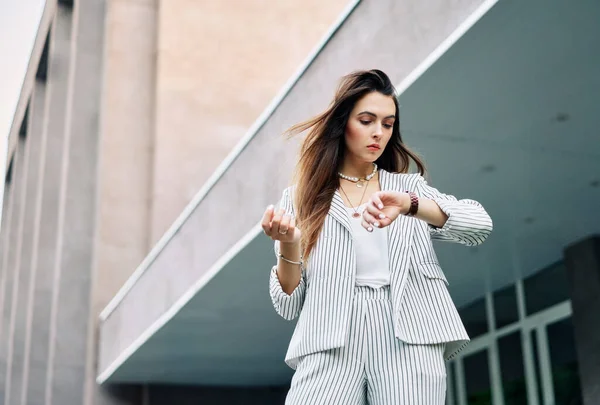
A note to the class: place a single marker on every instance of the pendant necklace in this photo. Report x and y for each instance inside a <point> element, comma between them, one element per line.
<point>356,214</point>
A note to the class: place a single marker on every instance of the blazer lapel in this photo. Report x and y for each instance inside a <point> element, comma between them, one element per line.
<point>338,211</point>
<point>400,231</point>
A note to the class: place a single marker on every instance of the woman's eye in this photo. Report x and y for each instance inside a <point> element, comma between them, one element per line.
<point>365,122</point>
<point>388,126</point>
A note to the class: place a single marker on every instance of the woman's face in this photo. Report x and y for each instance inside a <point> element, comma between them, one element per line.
<point>370,126</point>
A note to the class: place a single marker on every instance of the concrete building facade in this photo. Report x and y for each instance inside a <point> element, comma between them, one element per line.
<point>146,144</point>
<point>126,108</point>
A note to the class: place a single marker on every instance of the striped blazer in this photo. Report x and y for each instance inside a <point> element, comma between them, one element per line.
<point>423,309</point>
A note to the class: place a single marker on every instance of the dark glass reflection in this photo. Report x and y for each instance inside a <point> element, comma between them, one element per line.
<point>512,369</point>
<point>563,358</point>
<point>505,306</point>
<point>546,288</point>
<point>475,319</point>
<point>477,379</point>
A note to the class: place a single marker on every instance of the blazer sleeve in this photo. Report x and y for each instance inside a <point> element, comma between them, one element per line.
<point>468,223</point>
<point>287,306</point>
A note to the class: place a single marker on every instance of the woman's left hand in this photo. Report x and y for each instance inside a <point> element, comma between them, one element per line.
<point>384,207</point>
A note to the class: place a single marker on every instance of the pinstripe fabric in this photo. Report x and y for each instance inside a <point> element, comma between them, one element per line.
<point>423,311</point>
<point>373,367</point>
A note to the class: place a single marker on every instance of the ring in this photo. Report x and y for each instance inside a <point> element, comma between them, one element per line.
<point>284,232</point>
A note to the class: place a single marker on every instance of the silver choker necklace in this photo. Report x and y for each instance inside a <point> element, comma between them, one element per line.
<point>359,182</point>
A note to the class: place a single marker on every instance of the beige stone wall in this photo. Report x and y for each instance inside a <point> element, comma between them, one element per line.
<point>126,138</point>
<point>220,63</point>
<point>183,81</point>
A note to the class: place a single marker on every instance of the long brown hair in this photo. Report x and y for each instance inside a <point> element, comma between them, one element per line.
<point>323,149</point>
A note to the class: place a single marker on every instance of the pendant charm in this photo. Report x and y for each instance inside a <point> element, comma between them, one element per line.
<point>356,215</point>
<point>359,184</point>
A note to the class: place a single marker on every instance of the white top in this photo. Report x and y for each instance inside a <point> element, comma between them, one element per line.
<point>372,260</point>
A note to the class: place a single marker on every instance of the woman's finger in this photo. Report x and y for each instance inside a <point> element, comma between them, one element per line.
<point>284,224</point>
<point>384,222</point>
<point>366,225</point>
<point>266,220</point>
<point>376,199</point>
<point>370,219</point>
<point>374,211</point>
<point>276,220</point>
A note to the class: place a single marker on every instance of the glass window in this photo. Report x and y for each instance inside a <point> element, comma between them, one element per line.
<point>536,363</point>
<point>546,288</point>
<point>563,358</point>
<point>505,306</point>
<point>477,379</point>
<point>474,318</point>
<point>512,369</point>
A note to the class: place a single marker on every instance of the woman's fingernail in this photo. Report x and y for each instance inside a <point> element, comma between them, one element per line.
<point>380,206</point>
<point>376,224</point>
<point>370,229</point>
<point>381,216</point>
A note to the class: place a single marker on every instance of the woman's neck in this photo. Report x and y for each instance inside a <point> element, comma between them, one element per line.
<point>356,169</point>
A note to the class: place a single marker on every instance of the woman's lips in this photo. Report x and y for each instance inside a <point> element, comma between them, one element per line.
<point>373,147</point>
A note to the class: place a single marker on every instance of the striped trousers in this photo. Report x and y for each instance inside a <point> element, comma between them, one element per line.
<point>373,367</point>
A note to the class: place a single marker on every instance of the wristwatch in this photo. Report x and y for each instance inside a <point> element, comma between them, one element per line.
<point>414,204</point>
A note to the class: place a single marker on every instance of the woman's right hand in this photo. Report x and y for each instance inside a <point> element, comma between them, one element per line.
<point>280,226</point>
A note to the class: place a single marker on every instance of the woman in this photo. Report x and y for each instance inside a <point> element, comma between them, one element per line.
<point>356,261</point>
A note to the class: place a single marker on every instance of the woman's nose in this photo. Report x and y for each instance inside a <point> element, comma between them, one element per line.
<point>378,131</point>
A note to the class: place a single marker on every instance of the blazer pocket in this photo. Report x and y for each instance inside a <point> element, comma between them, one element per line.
<point>432,270</point>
